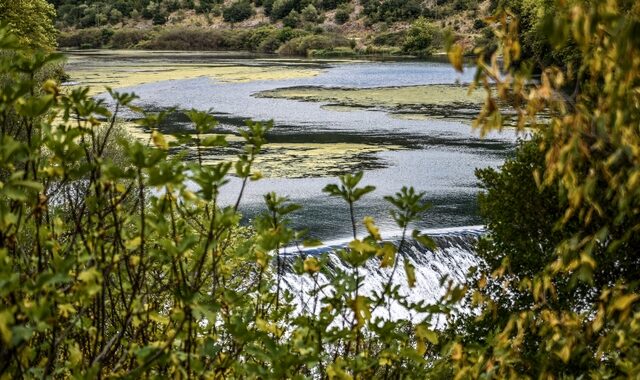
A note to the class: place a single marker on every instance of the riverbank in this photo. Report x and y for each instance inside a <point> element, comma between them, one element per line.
<point>266,39</point>
<point>419,39</point>
<point>350,29</point>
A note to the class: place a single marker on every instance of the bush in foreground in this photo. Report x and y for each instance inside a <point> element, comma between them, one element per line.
<point>112,265</point>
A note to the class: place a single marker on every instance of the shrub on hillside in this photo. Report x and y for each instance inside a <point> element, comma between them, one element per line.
<point>265,39</point>
<point>267,5</point>
<point>127,38</point>
<point>390,39</point>
<point>292,20</point>
<point>422,38</point>
<point>281,8</point>
<point>238,11</point>
<point>206,6</point>
<point>302,45</point>
<point>310,13</point>
<point>159,18</point>
<point>342,15</point>
<point>90,38</point>
<point>392,10</point>
<point>333,4</point>
<point>186,39</point>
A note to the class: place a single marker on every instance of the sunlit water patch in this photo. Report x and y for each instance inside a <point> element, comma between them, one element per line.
<point>450,261</point>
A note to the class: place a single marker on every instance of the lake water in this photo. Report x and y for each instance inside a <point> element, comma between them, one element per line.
<point>434,155</point>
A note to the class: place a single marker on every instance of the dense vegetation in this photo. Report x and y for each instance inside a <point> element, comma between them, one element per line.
<point>266,39</point>
<point>93,24</point>
<point>31,21</point>
<point>91,13</point>
<point>558,296</point>
<point>111,266</point>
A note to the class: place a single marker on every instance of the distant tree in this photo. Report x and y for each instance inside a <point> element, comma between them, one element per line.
<point>292,20</point>
<point>115,16</point>
<point>422,37</point>
<point>333,4</point>
<point>310,13</point>
<point>160,18</point>
<point>124,6</point>
<point>392,10</point>
<point>281,8</point>
<point>268,6</point>
<point>342,15</point>
<point>172,5</point>
<point>237,11</point>
<point>31,21</point>
<point>206,6</point>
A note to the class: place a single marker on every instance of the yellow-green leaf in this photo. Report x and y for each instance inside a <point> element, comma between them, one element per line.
<point>6,319</point>
<point>623,302</point>
<point>388,254</point>
<point>311,265</point>
<point>455,56</point>
<point>371,227</point>
<point>133,243</point>
<point>411,273</point>
<point>159,140</point>
<point>360,307</point>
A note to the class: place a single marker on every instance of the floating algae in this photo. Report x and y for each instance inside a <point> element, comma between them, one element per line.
<point>425,100</point>
<point>284,160</point>
<point>342,108</point>
<point>292,160</point>
<point>123,73</point>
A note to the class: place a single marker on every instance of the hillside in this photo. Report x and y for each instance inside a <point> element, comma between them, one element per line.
<point>320,27</point>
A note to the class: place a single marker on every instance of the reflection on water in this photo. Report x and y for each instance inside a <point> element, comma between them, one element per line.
<point>437,156</point>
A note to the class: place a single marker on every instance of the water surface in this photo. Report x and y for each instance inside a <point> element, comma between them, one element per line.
<point>435,155</point>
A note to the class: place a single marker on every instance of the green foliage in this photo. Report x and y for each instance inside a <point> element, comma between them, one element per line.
<point>342,15</point>
<point>520,232</point>
<point>127,38</point>
<point>568,254</point>
<point>292,20</point>
<point>422,38</point>
<point>237,11</point>
<point>263,39</point>
<point>75,15</point>
<point>90,38</point>
<point>392,10</point>
<point>118,259</point>
<point>333,4</point>
<point>159,18</point>
<point>534,18</point>
<point>304,44</point>
<point>31,21</point>
<point>281,8</point>
<point>310,13</point>
<point>390,39</point>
